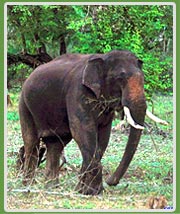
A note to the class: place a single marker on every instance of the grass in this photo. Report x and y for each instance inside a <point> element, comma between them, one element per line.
<point>150,173</point>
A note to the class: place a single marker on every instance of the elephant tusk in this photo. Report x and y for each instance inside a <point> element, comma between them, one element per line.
<point>154,118</point>
<point>130,119</point>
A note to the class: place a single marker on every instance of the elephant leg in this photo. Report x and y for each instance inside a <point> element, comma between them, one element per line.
<point>91,171</point>
<point>103,137</point>
<point>54,149</point>
<point>31,143</point>
<point>31,162</point>
<point>85,132</point>
<point>90,179</point>
<point>31,148</point>
<point>55,146</point>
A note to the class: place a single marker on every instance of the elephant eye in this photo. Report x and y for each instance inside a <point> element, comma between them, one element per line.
<point>122,76</point>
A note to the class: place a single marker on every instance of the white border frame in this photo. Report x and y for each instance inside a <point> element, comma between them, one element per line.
<point>174,106</point>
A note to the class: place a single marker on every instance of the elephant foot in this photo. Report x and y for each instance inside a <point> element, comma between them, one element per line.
<point>88,189</point>
<point>52,179</point>
<point>28,177</point>
<point>27,181</point>
<point>91,181</point>
<point>112,181</point>
<point>52,183</point>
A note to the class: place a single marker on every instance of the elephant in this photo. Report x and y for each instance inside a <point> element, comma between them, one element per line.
<point>75,96</point>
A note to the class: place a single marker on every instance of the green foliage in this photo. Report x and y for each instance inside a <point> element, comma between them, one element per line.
<point>145,30</point>
<point>47,23</point>
<point>13,116</point>
<point>17,74</point>
<point>158,75</point>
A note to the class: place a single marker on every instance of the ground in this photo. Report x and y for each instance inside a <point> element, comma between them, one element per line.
<point>150,173</point>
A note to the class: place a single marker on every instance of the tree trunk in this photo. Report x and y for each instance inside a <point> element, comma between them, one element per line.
<point>62,45</point>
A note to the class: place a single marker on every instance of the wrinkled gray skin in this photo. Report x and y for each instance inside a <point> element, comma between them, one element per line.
<point>75,96</point>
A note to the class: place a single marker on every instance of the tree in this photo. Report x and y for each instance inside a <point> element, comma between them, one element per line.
<point>146,30</point>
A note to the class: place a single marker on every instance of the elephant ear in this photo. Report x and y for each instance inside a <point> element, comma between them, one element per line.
<point>92,75</point>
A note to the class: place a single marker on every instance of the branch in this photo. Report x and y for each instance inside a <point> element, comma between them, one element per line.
<point>28,59</point>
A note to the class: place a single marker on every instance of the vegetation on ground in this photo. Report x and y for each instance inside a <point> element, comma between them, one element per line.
<point>150,173</point>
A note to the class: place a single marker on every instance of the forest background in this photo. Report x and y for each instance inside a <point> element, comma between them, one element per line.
<point>37,34</point>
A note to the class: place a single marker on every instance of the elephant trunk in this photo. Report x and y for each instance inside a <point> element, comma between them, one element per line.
<point>133,140</point>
